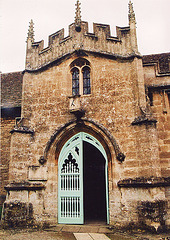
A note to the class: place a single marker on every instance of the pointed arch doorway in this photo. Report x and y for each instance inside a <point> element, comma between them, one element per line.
<point>82,181</point>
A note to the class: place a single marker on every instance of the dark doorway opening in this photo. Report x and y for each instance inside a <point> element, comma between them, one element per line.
<point>94,184</point>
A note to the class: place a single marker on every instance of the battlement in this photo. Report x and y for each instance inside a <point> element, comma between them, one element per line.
<point>79,38</point>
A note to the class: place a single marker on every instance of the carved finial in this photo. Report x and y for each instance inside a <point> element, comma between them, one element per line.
<point>31,31</point>
<point>131,13</point>
<point>78,17</point>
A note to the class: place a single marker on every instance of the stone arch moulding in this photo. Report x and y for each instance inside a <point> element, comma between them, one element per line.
<point>67,130</point>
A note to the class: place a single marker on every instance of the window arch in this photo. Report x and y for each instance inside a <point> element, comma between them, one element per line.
<point>81,82</point>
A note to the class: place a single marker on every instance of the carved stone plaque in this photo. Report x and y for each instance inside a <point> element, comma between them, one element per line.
<point>38,173</point>
<point>74,103</point>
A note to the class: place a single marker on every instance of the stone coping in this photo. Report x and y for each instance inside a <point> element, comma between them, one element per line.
<point>82,52</point>
<point>144,182</point>
<point>19,186</point>
<point>143,119</point>
<point>22,129</point>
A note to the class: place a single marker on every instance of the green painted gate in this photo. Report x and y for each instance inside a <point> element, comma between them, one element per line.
<point>70,179</point>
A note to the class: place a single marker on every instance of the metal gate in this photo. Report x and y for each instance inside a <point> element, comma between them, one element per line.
<point>70,179</point>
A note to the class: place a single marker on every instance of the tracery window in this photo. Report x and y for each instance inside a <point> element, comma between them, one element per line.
<point>81,82</point>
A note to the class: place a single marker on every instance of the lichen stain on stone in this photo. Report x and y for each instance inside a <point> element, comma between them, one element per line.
<point>152,215</point>
<point>18,214</point>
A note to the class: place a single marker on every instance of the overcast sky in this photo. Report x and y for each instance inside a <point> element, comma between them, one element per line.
<point>49,16</point>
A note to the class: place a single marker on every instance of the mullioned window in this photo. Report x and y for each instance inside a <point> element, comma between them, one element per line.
<point>81,79</point>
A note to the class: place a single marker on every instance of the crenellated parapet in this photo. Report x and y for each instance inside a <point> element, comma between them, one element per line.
<point>79,38</point>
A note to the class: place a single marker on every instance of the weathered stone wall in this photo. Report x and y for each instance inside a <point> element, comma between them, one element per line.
<point>11,94</point>
<point>158,89</point>
<point>21,156</point>
<point>6,126</point>
<point>125,209</point>
<point>157,80</point>
<point>161,110</point>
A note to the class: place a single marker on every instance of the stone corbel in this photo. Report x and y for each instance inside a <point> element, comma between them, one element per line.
<point>21,128</point>
<point>144,118</point>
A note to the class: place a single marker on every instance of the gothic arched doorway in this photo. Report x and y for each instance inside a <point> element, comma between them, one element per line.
<point>82,181</point>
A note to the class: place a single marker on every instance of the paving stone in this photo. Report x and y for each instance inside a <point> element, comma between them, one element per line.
<point>99,236</point>
<point>89,229</point>
<point>71,229</point>
<point>10,235</point>
<point>56,228</point>
<point>104,230</point>
<point>120,237</point>
<point>82,236</point>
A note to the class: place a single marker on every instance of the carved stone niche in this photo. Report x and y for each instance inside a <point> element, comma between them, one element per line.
<point>74,103</point>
